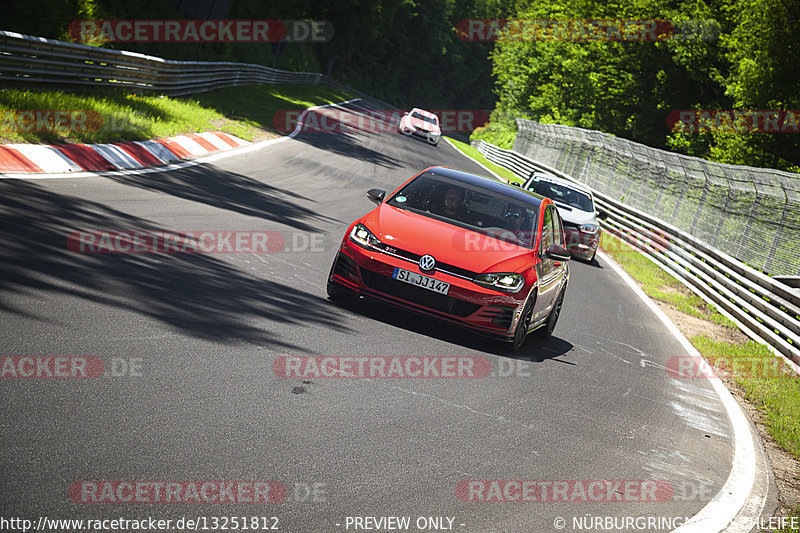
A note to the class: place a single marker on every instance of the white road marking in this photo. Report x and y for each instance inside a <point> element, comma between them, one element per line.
<point>724,507</point>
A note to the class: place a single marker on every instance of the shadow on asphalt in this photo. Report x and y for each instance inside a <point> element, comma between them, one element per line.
<point>209,185</point>
<point>345,140</point>
<point>197,294</point>
<point>536,349</point>
<point>594,262</point>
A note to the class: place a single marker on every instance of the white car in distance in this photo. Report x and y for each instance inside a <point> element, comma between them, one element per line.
<point>422,124</point>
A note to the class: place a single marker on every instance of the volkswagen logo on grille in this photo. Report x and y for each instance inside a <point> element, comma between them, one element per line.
<point>427,262</point>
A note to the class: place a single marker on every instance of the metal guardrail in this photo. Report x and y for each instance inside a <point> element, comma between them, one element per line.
<point>29,62</point>
<point>752,214</point>
<point>765,309</point>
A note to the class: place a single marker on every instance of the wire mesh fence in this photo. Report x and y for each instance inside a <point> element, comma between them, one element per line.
<point>752,214</point>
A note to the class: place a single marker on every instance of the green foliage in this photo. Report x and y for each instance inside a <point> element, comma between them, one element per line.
<point>744,55</point>
<point>403,51</point>
<point>500,131</point>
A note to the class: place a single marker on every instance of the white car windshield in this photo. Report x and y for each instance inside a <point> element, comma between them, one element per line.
<point>430,120</point>
<point>563,195</point>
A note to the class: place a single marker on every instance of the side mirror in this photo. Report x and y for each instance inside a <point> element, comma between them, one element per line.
<point>601,215</point>
<point>555,251</point>
<point>376,195</point>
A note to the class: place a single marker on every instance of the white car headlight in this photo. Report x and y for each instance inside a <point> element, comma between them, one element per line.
<point>590,228</point>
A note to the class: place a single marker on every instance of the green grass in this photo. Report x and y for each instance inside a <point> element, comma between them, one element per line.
<point>257,105</point>
<point>245,111</point>
<point>767,383</point>
<point>475,154</point>
<point>659,285</point>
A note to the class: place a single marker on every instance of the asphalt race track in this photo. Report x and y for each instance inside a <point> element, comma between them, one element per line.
<point>189,341</point>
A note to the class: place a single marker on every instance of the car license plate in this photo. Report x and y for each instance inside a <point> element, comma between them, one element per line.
<point>419,280</point>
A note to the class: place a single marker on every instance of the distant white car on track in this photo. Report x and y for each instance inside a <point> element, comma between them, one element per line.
<point>578,213</point>
<point>422,124</point>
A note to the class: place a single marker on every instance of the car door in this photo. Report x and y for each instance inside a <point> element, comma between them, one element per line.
<point>550,271</point>
<point>559,268</point>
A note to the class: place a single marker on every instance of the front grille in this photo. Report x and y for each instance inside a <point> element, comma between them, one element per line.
<point>501,315</point>
<point>570,224</point>
<point>417,295</point>
<point>442,267</point>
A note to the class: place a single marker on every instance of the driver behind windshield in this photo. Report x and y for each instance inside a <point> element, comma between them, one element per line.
<point>452,203</point>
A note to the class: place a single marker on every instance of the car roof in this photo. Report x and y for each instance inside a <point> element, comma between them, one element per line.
<point>492,184</point>
<point>544,176</point>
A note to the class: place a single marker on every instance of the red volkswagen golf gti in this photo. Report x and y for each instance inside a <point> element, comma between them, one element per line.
<point>463,248</point>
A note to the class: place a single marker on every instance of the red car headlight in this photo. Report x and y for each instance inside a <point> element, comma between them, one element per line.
<point>504,281</point>
<point>363,237</point>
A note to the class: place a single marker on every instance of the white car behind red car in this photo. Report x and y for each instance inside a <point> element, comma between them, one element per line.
<point>422,124</point>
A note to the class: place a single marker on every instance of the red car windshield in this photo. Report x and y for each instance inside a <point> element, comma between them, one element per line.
<point>469,207</point>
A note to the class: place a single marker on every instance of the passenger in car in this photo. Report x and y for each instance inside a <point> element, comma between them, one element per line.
<point>519,223</point>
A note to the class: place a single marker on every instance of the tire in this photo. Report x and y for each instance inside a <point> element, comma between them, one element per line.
<point>547,331</point>
<point>521,331</point>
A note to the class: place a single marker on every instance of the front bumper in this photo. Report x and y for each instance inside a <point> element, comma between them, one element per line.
<point>581,245</point>
<point>467,304</point>
<point>430,137</point>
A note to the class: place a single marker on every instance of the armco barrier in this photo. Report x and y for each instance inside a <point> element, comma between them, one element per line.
<point>31,62</point>
<point>35,62</point>
<point>767,310</point>
<point>752,214</point>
